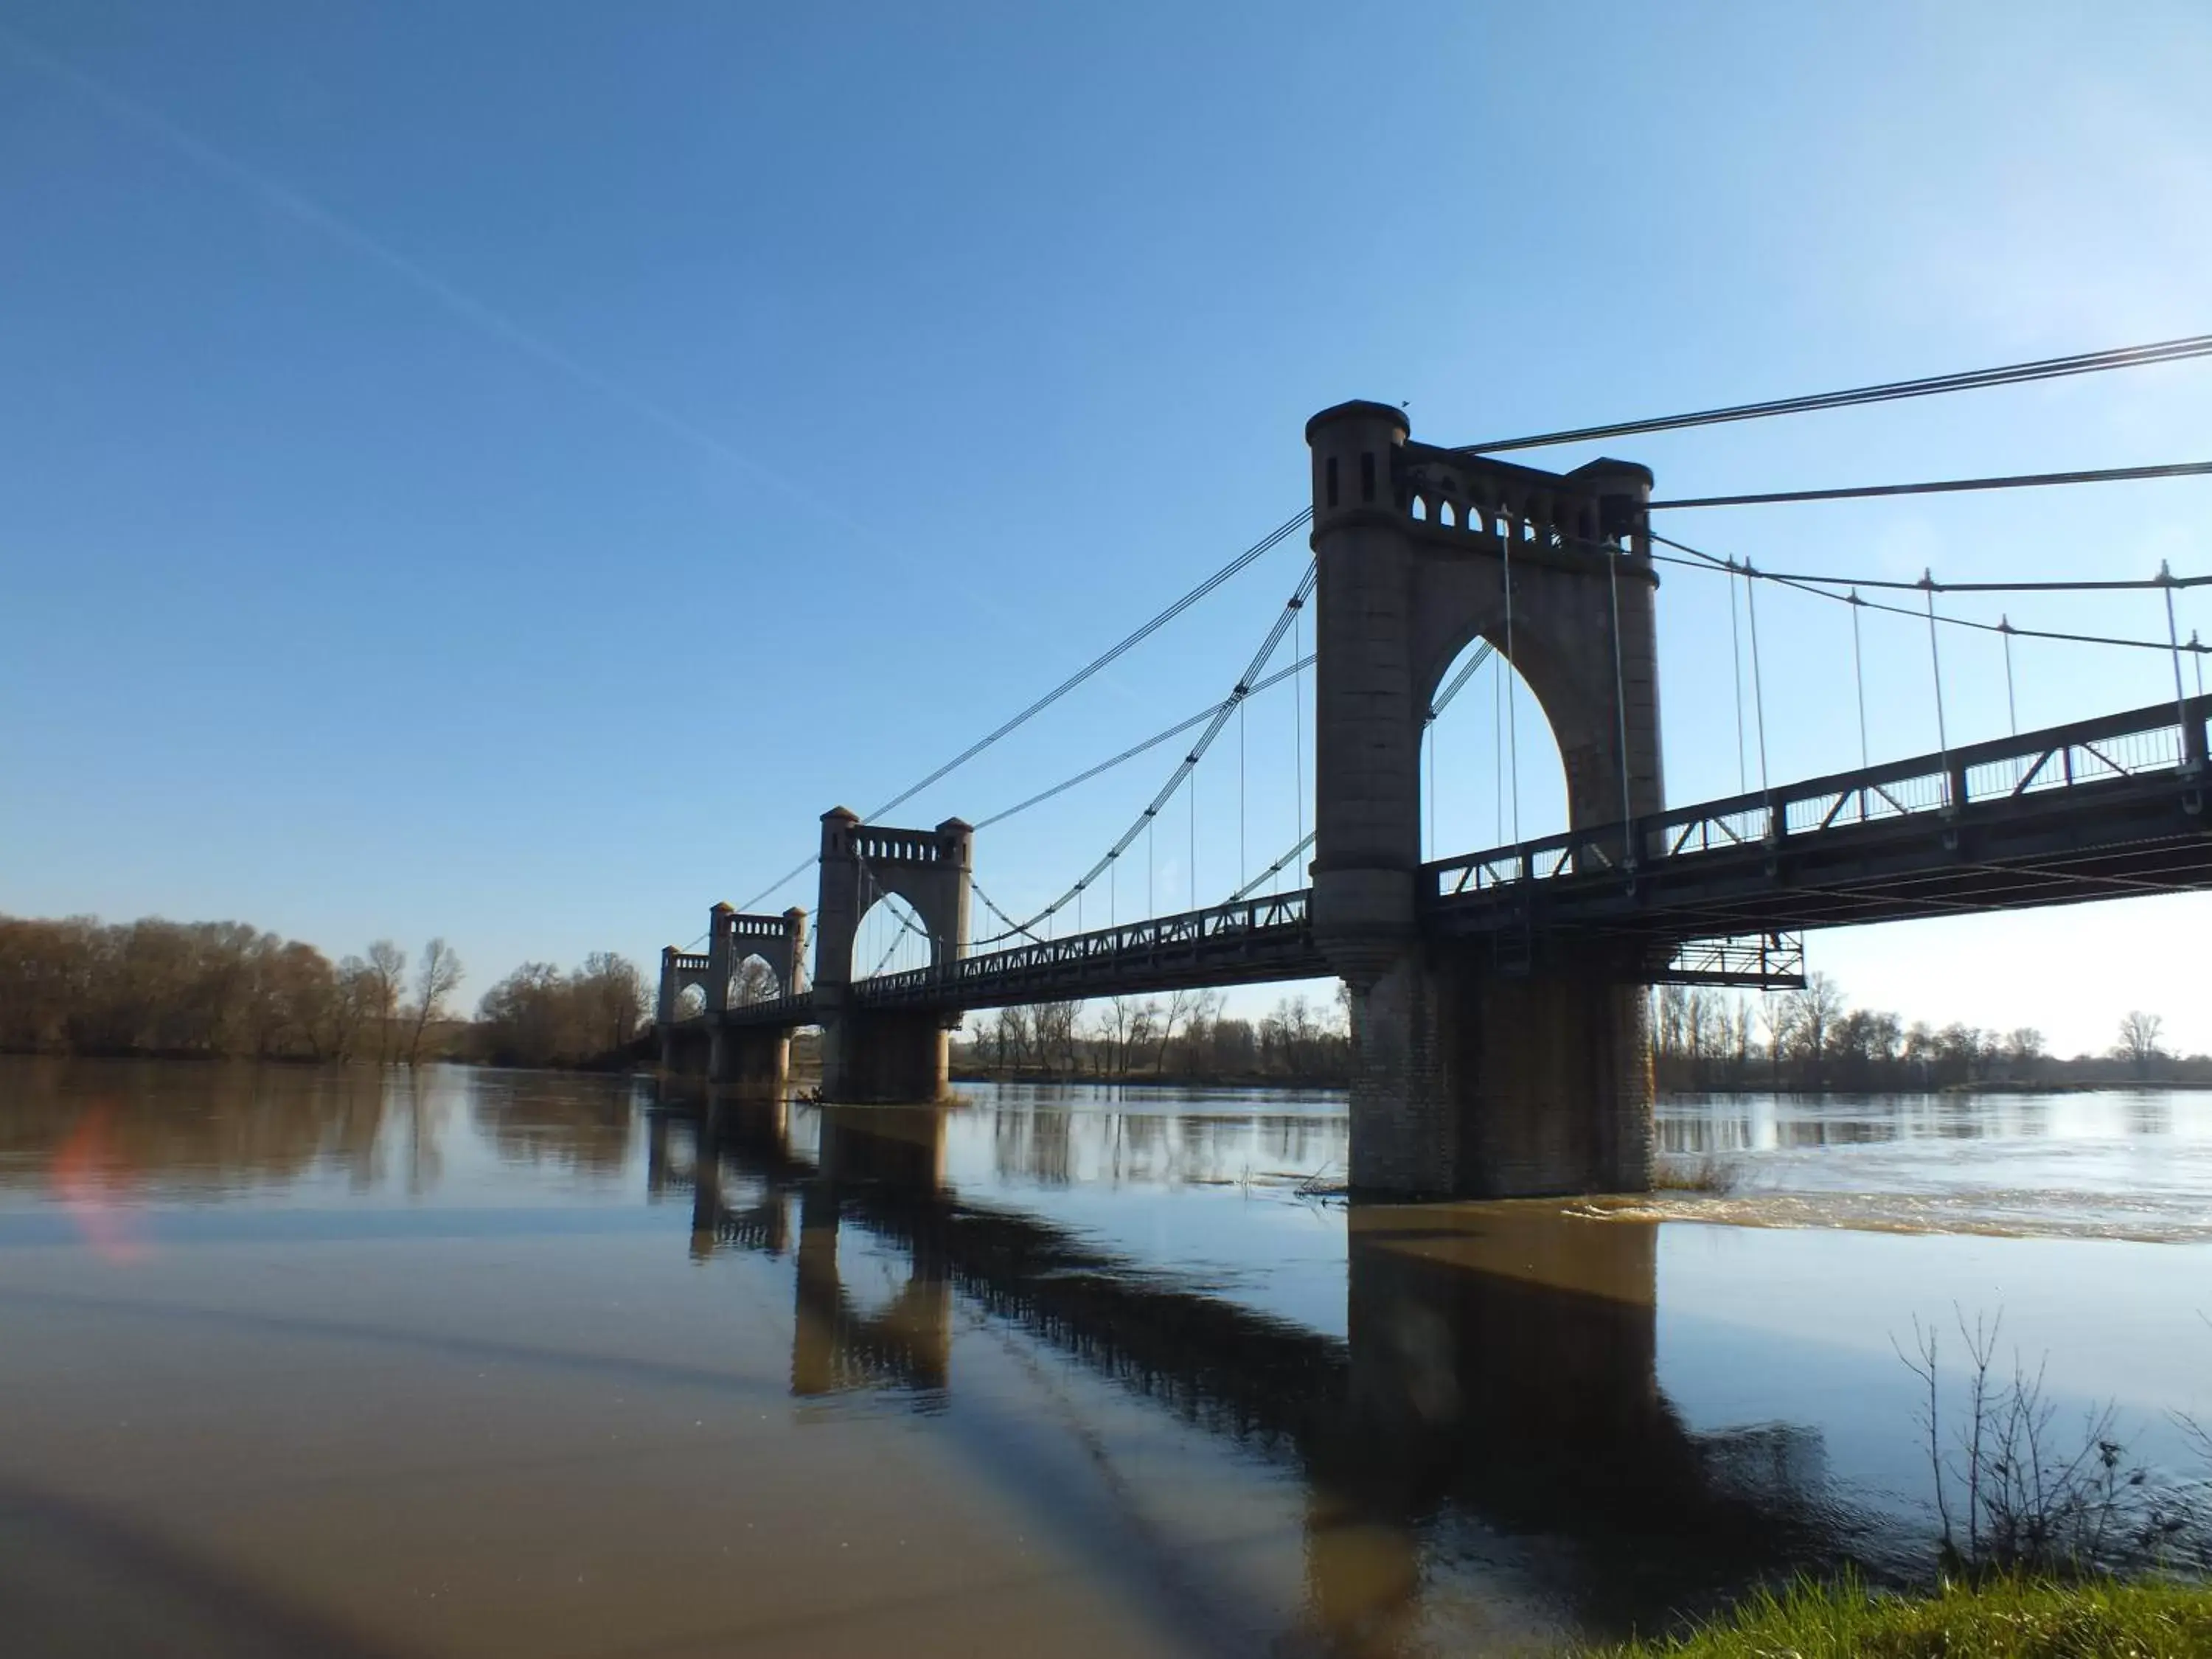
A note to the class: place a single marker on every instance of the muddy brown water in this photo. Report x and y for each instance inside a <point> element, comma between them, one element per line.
<point>470,1364</point>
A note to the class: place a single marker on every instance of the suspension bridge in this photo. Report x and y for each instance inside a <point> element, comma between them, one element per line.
<point>1498,996</point>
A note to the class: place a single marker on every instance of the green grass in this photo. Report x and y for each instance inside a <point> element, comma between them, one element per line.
<point>2002,1620</point>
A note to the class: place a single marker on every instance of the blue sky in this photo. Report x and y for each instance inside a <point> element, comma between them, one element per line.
<point>504,470</point>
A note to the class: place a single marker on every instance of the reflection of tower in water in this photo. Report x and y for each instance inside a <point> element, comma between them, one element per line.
<point>1498,1383</point>
<point>893,1155</point>
<point>898,1154</point>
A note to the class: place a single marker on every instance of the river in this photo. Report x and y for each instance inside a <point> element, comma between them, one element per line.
<point>475,1364</point>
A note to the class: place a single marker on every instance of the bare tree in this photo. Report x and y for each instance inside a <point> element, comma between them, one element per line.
<point>387,972</point>
<point>2138,1044</point>
<point>1815,1012</point>
<point>1779,1015</point>
<point>1179,1003</point>
<point>1116,1018</point>
<point>754,981</point>
<point>617,996</point>
<point>1054,1026</point>
<point>1144,1025</point>
<point>434,981</point>
<point>1008,1034</point>
<point>2024,1047</point>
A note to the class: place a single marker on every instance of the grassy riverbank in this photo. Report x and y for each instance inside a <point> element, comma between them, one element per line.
<point>2003,1619</point>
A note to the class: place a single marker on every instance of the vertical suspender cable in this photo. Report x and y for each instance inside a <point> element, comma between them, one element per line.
<point>1151,908</point>
<point>1192,905</point>
<point>1498,749</point>
<point>2198,651</point>
<point>1429,739</point>
<point>1935,663</point>
<point>2012,707</point>
<point>1858,672</point>
<point>1298,718</point>
<point>1758,681</point>
<point>1620,709</point>
<point>2173,640</point>
<point>1512,733</point>
<point>1735,667</point>
<point>1241,854</point>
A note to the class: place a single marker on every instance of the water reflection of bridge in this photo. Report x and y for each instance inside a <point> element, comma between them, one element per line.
<point>1500,1366</point>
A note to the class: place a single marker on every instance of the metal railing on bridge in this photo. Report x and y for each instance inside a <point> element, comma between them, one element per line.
<point>2165,744</point>
<point>1268,935</point>
<point>2110,779</point>
<point>2098,808</point>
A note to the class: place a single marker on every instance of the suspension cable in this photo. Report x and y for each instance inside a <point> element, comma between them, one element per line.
<point>1283,624</point>
<point>783,880</point>
<point>1135,750</point>
<point>2119,585</point>
<point>2088,362</point>
<point>1271,870</point>
<point>1949,486</point>
<point>992,905</point>
<point>897,906</point>
<point>885,960</point>
<point>1700,560</point>
<point>1112,653</point>
<point>1482,654</point>
<point>1264,545</point>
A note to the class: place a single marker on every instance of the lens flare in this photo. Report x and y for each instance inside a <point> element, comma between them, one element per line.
<point>97,1187</point>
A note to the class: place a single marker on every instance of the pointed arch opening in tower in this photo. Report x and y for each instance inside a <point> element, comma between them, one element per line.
<point>893,938</point>
<point>1491,769</point>
<point>754,980</point>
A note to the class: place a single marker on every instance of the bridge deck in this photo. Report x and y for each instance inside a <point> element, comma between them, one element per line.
<point>2107,808</point>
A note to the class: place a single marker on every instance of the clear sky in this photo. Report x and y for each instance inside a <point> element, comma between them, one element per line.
<point>504,471</point>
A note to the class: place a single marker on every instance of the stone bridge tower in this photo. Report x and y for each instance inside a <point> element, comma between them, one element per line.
<point>753,1061</point>
<point>887,1055</point>
<point>1478,1073</point>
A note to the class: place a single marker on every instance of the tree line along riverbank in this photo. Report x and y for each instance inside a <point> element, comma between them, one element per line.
<point>1814,1041</point>
<point>226,990</point>
<point>155,987</point>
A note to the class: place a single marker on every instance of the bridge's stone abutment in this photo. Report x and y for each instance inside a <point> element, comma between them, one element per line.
<point>889,1056</point>
<point>1469,1081</point>
<point>752,1062</point>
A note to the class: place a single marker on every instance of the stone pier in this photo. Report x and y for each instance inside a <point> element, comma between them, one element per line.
<point>1469,1081</point>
